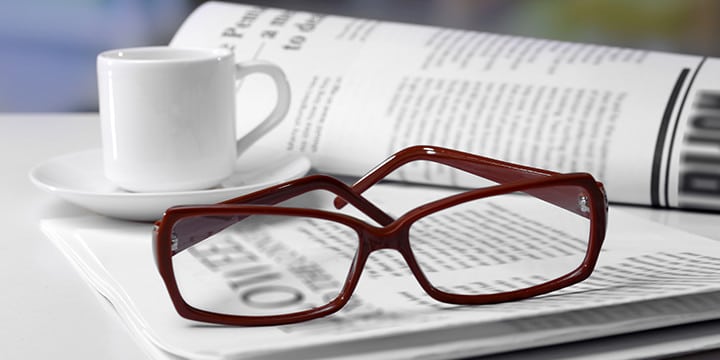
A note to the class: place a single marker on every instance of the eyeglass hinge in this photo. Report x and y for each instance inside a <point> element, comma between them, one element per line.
<point>583,204</point>
<point>173,242</point>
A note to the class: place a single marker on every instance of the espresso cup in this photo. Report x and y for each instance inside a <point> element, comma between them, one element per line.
<point>168,115</point>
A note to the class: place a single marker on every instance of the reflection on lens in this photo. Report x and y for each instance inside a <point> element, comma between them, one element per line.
<point>502,243</point>
<point>262,265</point>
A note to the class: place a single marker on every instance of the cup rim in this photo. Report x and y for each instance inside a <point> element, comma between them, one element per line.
<point>164,54</point>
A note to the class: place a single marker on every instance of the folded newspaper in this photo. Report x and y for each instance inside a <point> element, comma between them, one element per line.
<point>649,276</point>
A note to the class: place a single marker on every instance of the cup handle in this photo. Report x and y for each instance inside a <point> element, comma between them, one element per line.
<point>281,107</point>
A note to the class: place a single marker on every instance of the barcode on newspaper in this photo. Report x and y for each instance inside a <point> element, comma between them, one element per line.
<point>700,171</point>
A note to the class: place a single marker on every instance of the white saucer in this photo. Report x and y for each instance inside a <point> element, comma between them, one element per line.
<point>78,178</point>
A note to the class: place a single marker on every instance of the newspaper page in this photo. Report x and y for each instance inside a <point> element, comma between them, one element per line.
<point>645,279</point>
<point>645,123</point>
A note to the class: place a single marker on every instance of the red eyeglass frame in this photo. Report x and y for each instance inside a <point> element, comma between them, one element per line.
<point>393,233</point>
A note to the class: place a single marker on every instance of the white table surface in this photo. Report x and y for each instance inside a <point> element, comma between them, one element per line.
<point>46,309</point>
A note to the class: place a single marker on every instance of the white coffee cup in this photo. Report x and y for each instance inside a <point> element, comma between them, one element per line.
<point>168,115</point>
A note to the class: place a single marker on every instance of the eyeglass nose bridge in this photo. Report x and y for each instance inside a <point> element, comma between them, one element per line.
<point>386,238</point>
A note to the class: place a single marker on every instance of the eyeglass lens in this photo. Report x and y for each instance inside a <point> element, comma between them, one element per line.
<point>265,265</point>
<point>501,243</point>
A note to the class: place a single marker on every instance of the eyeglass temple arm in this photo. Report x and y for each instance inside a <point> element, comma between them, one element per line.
<point>495,170</point>
<point>292,189</point>
<point>196,231</point>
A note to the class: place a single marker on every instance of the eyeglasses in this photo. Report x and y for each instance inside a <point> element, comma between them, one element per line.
<point>249,261</point>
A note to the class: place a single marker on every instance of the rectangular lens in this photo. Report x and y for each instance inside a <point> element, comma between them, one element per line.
<point>261,265</point>
<point>503,243</point>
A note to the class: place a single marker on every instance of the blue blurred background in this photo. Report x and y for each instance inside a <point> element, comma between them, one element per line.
<point>48,47</point>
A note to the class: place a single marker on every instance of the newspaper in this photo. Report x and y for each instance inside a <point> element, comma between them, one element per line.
<point>648,276</point>
<point>645,123</point>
